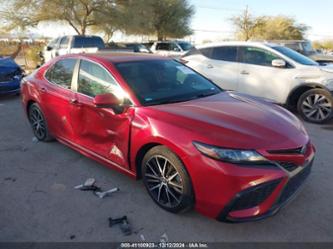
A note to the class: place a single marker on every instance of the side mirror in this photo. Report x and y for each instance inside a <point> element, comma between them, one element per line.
<point>48,48</point>
<point>176,49</point>
<point>106,100</point>
<point>109,100</point>
<point>279,63</point>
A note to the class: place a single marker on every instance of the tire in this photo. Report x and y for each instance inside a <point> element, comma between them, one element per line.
<point>316,106</point>
<point>38,123</point>
<point>171,190</point>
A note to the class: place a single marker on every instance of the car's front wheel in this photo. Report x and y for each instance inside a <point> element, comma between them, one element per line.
<point>316,106</point>
<point>167,180</point>
<point>38,123</point>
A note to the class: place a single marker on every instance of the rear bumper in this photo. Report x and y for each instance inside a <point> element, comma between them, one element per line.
<point>289,191</point>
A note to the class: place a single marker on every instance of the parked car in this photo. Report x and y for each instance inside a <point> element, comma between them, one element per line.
<point>72,45</point>
<point>173,49</point>
<point>231,156</point>
<point>271,71</point>
<point>305,47</point>
<point>10,76</point>
<point>130,47</point>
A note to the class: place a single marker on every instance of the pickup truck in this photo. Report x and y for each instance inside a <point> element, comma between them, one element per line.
<point>305,47</point>
<point>72,45</point>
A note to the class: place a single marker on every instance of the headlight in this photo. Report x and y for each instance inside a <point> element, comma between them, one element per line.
<point>230,155</point>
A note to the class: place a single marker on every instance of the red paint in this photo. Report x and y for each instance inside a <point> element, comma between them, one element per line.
<point>226,120</point>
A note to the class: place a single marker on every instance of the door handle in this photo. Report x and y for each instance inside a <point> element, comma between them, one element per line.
<point>42,90</point>
<point>210,66</point>
<point>245,72</point>
<point>74,101</point>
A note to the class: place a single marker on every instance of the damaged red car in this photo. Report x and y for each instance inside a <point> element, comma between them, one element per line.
<point>228,155</point>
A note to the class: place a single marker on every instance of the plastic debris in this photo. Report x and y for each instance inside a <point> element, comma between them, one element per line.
<point>124,225</point>
<point>106,193</point>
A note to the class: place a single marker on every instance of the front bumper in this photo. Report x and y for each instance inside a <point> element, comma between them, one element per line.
<point>219,187</point>
<point>289,191</point>
<point>10,87</point>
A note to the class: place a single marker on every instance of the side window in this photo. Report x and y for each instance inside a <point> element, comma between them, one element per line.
<point>221,53</point>
<point>207,52</point>
<point>64,42</point>
<point>61,73</point>
<point>94,80</point>
<point>294,46</point>
<point>258,56</point>
<point>163,46</point>
<point>224,54</point>
<point>174,47</point>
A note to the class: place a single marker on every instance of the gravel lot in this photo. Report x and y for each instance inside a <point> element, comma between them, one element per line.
<point>38,202</point>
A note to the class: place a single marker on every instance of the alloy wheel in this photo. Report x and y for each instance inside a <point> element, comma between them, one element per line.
<point>316,107</point>
<point>164,181</point>
<point>37,123</point>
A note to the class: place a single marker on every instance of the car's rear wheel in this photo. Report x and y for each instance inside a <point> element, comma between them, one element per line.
<point>38,123</point>
<point>167,180</point>
<point>316,106</point>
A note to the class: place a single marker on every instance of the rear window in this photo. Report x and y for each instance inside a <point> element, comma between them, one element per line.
<point>186,46</point>
<point>88,42</point>
<point>163,46</point>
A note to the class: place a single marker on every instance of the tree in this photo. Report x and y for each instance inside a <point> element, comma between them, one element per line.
<point>268,27</point>
<point>326,45</point>
<point>79,14</point>
<point>245,24</point>
<point>163,18</point>
<point>280,28</point>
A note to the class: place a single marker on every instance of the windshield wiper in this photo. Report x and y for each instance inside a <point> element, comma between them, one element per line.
<point>177,100</point>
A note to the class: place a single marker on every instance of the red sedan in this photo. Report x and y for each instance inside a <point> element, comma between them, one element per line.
<point>231,156</point>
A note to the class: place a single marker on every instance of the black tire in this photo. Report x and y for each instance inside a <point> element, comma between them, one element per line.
<point>38,123</point>
<point>175,175</point>
<point>316,106</point>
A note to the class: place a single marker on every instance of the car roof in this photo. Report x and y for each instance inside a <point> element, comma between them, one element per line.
<point>123,57</point>
<point>238,43</point>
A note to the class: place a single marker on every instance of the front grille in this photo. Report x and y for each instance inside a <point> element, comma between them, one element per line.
<point>293,184</point>
<point>298,150</point>
<point>254,196</point>
<point>6,77</point>
<point>288,166</point>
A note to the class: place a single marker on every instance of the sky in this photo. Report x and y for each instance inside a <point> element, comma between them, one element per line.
<point>214,15</point>
<point>212,18</point>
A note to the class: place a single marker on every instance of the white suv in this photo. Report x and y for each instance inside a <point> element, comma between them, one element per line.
<point>270,71</point>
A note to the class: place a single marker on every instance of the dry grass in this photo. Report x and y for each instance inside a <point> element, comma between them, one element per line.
<point>28,56</point>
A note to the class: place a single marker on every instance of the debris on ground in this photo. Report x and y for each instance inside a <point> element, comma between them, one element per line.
<point>124,225</point>
<point>106,193</point>
<point>164,238</point>
<point>72,237</point>
<point>89,185</point>
<point>12,179</point>
<point>34,140</point>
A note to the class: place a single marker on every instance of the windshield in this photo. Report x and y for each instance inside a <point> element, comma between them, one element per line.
<point>164,81</point>
<point>185,45</point>
<point>292,54</point>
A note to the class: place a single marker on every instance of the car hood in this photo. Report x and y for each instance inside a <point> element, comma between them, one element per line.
<point>8,65</point>
<point>235,120</point>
